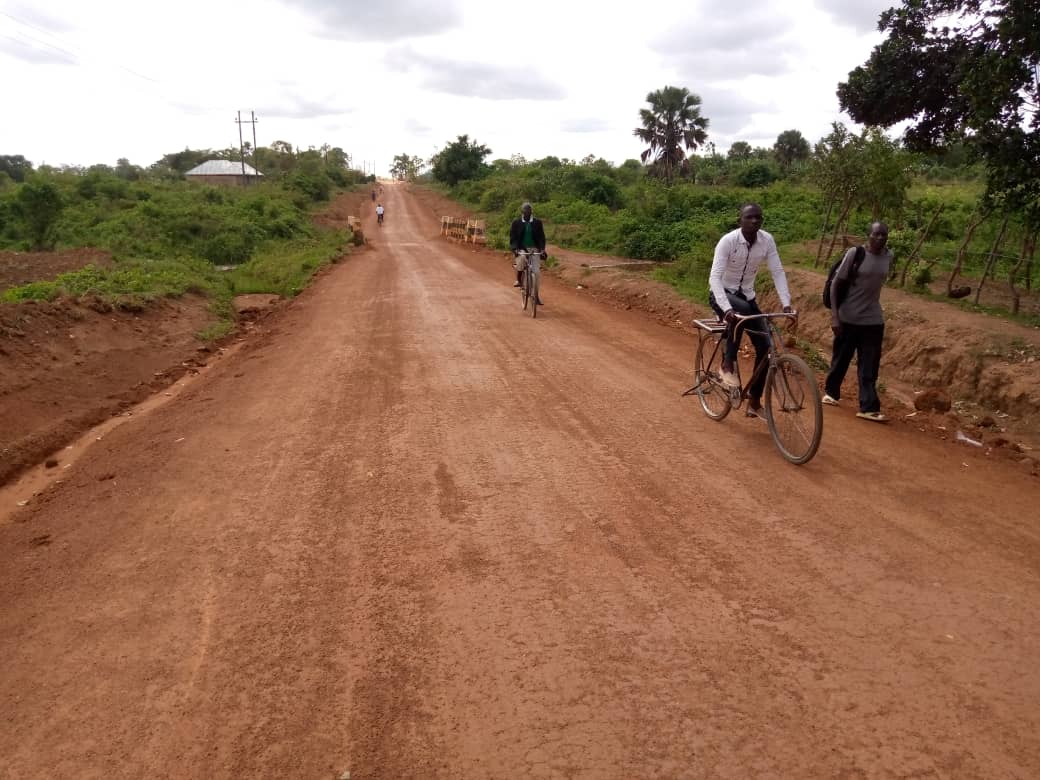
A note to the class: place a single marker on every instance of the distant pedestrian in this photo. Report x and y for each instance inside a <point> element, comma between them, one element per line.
<point>858,321</point>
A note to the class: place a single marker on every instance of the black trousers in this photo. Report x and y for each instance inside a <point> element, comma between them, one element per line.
<point>756,330</point>
<point>863,341</point>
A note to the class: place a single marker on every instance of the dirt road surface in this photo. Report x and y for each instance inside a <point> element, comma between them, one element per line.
<point>410,532</point>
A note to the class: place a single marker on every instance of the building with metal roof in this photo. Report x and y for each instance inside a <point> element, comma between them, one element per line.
<point>223,172</point>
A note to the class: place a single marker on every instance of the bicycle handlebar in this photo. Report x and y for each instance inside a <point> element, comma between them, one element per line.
<point>742,320</point>
<point>791,315</point>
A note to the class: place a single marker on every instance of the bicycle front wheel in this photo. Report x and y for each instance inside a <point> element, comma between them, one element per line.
<point>534,295</point>
<point>713,395</point>
<point>793,409</point>
<point>525,286</point>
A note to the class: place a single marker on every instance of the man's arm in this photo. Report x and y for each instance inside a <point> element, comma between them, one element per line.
<point>776,268</point>
<point>839,286</point>
<point>718,268</point>
<point>539,235</point>
<point>514,236</point>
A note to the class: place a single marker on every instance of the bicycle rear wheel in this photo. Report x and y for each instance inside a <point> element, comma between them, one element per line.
<point>713,395</point>
<point>793,409</point>
<point>525,287</point>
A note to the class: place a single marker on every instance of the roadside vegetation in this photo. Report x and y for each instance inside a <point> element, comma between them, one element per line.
<point>168,236</point>
<point>960,191</point>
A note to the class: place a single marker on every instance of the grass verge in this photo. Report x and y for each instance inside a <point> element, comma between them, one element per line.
<point>280,267</point>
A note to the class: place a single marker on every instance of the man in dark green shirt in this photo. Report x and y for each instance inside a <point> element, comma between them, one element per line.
<point>526,233</point>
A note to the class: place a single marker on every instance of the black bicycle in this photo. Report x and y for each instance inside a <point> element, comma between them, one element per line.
<point>530,279</point>
<point>793,408</point>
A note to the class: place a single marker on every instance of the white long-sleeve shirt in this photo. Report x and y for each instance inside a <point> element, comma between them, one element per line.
<point>736,263</point>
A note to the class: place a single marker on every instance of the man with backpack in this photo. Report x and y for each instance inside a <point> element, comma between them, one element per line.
<point>858,321</point>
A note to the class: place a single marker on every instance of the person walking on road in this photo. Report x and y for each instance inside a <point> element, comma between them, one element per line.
<point>738,255</point>
<point>526,233</point>
<point>858,322</point>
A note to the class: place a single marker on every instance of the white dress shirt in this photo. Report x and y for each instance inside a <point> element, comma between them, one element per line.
<point>736,263</point>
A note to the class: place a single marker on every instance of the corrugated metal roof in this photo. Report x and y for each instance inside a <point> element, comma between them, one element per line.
<point>222,168</point>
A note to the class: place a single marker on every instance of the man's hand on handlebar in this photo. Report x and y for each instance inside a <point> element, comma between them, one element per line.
<point>545,255</point>
<point>730,317</point>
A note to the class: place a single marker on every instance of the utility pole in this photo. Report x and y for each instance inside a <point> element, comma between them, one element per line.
<point>253,121</point>
<point>241,149</point>
<point>241,144</point>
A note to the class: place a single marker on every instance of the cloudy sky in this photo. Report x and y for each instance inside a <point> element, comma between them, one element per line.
<point>92,82</point>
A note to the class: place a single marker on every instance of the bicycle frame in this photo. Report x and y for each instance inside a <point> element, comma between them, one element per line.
<point>531,278</point>
<point>776,343</point>
<point>715,327</point>
<point>791,402</point>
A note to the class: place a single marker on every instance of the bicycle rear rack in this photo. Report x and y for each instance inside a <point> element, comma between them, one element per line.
<point>712,325</point>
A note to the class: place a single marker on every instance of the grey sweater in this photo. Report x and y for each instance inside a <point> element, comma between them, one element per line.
<point>862,303</point>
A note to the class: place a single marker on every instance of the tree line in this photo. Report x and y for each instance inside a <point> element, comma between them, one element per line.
<point>48,206</point>
<point>964,72</point>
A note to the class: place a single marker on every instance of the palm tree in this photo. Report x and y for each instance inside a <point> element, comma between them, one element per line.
<point>672,122</point>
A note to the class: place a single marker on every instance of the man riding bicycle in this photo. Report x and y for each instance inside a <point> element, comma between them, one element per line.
<point>379,213</point>
<point>526,234</point>
<point>738,255</point>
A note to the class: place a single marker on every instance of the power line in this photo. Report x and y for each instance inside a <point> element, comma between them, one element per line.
<point>75,57</point>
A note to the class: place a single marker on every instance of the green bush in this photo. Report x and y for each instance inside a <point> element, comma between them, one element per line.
<point>756,174</point>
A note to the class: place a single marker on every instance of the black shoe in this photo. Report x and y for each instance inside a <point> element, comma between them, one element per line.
<point>516,284</point>
<point>539,302</point>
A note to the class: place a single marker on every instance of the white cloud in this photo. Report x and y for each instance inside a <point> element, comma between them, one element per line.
<point>379,79</point>
<point>36,18</point>
<point>379,20</point>
<point>861,16</point>
<point>716,43</point>
<point>35,51</point>
<point>584,125</point>
<point>413,125</point>
<point>490,81</point>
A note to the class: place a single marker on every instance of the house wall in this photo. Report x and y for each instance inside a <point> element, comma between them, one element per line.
<point>224,180</point>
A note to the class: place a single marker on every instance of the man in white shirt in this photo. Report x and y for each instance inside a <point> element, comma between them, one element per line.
<point>738,255</point>
<point>379,213</point>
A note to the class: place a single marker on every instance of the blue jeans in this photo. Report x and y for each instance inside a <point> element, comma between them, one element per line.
<point>756,330</point>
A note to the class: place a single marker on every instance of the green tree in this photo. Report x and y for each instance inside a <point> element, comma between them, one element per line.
<point>460,160</point>
<point>837,168</point>
<point>40,204</point>
<point>756,174</point>
<point>790,146</point>
<point>960,69</point>
<point>125,170</point>
<point>407,167</point>
<point>335,157</point>
<point>887,171</point>
<point>180,162</point>
<point>672,125</point>
<point>15,166</point>
<point>740,151</point>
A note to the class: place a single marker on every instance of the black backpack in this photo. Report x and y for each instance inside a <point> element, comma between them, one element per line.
<point>860,254</point>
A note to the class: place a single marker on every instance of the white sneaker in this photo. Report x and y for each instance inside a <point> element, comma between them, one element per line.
<point>872,416</point>
<point>830,401</point>
<point>729,378</point>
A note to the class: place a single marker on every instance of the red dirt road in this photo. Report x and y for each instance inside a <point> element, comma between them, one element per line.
<point>412,533</point>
